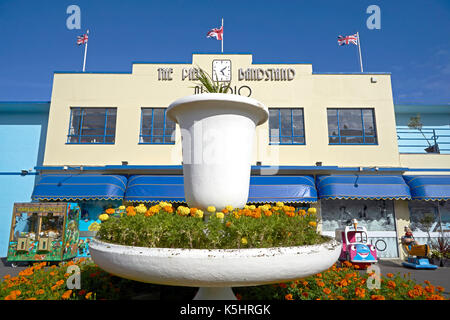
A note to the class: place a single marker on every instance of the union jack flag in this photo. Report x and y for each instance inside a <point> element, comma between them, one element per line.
<point>348,39</point>
<point>82,39</point>
<point>216,33</point>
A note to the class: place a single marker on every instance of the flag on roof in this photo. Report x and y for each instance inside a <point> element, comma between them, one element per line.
<point>82,39</point>
<point>348,39</point>
<point>215,33</point>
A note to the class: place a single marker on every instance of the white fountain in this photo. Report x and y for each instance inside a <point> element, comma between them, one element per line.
<point>218,132</point>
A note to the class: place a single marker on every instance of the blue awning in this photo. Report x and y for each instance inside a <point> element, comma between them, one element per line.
<point>282,188</point>
<point>429,188</point>
<point>362,187</point>
<point>262,189</point>
<point>155,189</point>
<point>80,187</point>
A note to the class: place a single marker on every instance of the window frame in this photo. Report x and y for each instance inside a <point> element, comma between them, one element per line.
<point>152,127</point>
<point>292,136</point>
<point>105,128</point>
<point>363,136</point>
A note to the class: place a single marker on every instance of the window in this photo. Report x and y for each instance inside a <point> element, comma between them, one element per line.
<point>92,125</point>
<point>286,126</point>
<point>351,126</point>
<point>156,127</point>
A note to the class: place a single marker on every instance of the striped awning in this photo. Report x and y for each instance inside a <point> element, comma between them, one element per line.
<point>362,187</point>
<point>154,188</point>
<point>429,187</point>
<point>282,188</point>
<point>80,187</point>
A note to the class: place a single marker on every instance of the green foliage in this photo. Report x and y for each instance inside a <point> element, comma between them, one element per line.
<point>237,229</point>
<point>210,85</point>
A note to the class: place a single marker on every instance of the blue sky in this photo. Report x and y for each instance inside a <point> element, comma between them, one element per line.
<point>413,43</point>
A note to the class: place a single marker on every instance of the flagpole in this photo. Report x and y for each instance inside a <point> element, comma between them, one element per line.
<point>222,35</point>
<point>359,49</point>
<point>85,51</point>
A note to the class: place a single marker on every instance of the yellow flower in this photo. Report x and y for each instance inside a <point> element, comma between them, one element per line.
<point>220,215</point>
<point>244,240</point>
<point>103,217</point>
<point>211,209</point>
<point>141,208</point>
<point>312,210</point>
<point>279,204</point>
<point>199,213</point>
<point>229,208</point>
<point>313,224</point>
<point>122,208</point>
<point>252,207</point>
<point>183,211</point>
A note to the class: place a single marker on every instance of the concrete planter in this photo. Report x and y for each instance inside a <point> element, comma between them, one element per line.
<point>218,132</point>
<point>215,271</point>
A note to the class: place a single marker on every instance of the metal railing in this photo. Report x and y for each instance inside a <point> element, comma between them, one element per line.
<point>429,140</point>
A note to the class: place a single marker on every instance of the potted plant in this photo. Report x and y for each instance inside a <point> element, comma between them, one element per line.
<point>415,123</point>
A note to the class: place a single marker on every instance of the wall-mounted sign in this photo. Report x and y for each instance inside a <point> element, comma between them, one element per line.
<point>270,74</point>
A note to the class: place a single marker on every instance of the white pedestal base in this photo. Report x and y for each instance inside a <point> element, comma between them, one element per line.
<point>215,293</point>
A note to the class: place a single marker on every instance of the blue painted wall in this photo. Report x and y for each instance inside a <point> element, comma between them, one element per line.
<point>23,130</point>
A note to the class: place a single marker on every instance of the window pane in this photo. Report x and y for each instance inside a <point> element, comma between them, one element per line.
<point>286,140</point>
<point>371,140</point>
<point>158,119</point>
<point>93,121</point>
<point>286,122</point>
<point>274,124</point>
<point>369,122</point>
<point>111,122</point>
<point>352,140</point>
<point>156,139</point>
<point>275,139</point>
<point>297,115</point>
<point>146,122</point>
<point>73,139</point>
<point>109,139</point>
<point>75,122</point>
<point>332,122</point>
<point>91,139</point>
<point>350,122</point>
<point>299,140</point>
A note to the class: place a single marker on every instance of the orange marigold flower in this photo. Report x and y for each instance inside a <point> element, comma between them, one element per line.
<point>7,276</point>
<point>110,211</point>
<point>40,291</point>
<point>441,289</point>
<point>429,289</point>
<point>340,297</point>
<point>326,291</point>
<point>427,282</point>
<point>313,224</point>
<point>391,284</point>
<point>320,284</point>
<point>389,275</point>
<point>66,295</point>
<point>228,224</point>
<point>32,298</point>
<point>435,297</point>
<point>88,295</point>
<point>283,285</point>
<point>305,294</point>
<point>377,297</point>
<point>288,297</point>
<point>360,292</point>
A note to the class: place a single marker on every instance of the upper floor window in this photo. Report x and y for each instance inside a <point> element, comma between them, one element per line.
<point>92,125</point>
<point>286,126</point>
<point>351,126</point>
<point>156,127</point>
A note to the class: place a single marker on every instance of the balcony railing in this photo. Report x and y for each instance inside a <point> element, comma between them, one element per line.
<point>430,140</point>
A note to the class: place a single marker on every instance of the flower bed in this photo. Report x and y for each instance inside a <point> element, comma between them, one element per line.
<point>163,226</point>
<point>41,282</point>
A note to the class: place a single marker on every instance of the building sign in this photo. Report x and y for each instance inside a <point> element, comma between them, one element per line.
<point>270,74</point>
